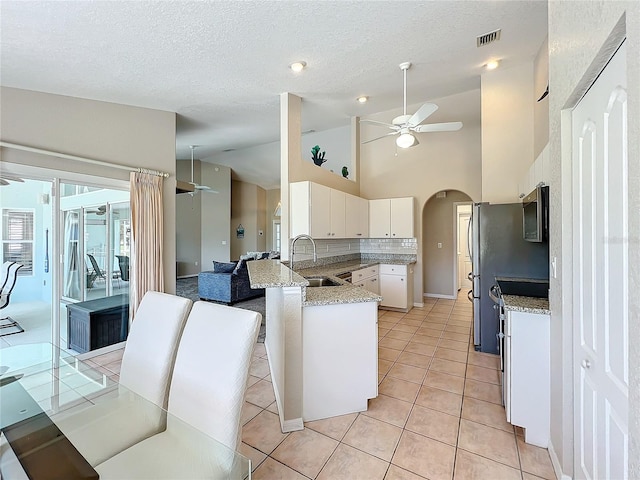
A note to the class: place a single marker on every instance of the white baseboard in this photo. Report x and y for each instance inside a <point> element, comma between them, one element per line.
<point>417,304</point>
<point>437,295</point>
<point>292,425</point>
<point>187,276</point>
<point>556,463</point>
<point>286,426</point>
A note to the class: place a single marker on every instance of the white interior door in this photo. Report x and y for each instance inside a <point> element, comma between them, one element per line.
<point>600,273</point>
<point>464,261</point>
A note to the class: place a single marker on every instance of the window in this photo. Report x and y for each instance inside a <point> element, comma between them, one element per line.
<point>17,238</point>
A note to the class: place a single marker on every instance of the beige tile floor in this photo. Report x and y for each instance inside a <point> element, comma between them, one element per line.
<point>437,416</point>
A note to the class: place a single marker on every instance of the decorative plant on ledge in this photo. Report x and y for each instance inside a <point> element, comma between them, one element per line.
<point>316,156</point>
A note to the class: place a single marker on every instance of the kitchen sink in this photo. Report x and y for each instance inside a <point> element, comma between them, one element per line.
<point>322,282</point>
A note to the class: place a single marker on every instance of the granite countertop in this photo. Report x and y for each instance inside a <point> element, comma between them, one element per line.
<point>333,269</point>
<point>271,273</point>
<point>517,303</point>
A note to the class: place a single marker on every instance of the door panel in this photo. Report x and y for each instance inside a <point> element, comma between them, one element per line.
<point>600,275</point>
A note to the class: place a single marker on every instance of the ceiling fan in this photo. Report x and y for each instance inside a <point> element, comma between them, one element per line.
<point>6,178</point>
<point>192,187</point>
<point>406,125</point>
<point>102,210</point>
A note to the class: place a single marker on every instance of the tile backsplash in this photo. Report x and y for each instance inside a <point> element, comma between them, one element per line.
<point>331,251</point>
<point>401,246</point>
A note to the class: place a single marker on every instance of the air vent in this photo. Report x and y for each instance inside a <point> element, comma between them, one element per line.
<point>487,38</point>
<point>307,132</point>
<point>442,194</point>
<point>229,150</point>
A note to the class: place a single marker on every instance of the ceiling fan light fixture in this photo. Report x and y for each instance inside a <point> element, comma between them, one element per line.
<point>297,67</point>
<point>405,140</point>
<point>362,99</point>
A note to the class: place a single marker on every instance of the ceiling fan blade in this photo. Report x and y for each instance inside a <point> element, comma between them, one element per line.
<point>378,138</point>
<point>384,124</point>
<point>438,127</point>
<point>11,178</point>
<point>422,114</point>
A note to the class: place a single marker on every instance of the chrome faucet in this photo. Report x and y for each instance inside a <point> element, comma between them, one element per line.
<point>293,244</point>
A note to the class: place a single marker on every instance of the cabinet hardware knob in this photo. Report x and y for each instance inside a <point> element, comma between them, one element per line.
<point>586,363</point>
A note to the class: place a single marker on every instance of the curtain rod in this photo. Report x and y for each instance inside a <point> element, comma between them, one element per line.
<point>50,153</point>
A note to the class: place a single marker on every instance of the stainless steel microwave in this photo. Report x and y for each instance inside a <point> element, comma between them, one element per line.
<point>535,215</point>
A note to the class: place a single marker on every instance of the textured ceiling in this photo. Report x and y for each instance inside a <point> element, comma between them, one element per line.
<point>222,65</point>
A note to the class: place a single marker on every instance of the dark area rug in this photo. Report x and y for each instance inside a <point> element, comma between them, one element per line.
<point>188,288</point>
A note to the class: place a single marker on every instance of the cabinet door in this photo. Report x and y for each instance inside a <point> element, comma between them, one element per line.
<point>402,217</point>
<point>373,285</point>
<point>320,211</point>
<point>337,220</point>
<point>380,218</point>
<point>357,217</point>
<point>393,289</point>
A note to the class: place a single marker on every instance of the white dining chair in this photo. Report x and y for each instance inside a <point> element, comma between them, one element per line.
<point>105,428</point>
<point>207,392</point>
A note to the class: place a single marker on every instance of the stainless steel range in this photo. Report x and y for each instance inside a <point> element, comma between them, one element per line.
<point>524,287</point>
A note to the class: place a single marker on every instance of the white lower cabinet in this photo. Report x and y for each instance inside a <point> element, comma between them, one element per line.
<point>339,359</point>
<point>396,286</point>
<point>527,374</point>
<point>367,278</point>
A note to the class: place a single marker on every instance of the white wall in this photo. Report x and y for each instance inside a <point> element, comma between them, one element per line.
<point>109,132</point>
<point>215,215</point>
<point>571,53</point>
<point>336,142</point>
<point>442,161</point>
<point>507,131</point>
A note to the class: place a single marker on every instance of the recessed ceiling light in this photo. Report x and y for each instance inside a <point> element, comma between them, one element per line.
<point>492,65</point>
<point>297,67</point>
<point>362,99</point>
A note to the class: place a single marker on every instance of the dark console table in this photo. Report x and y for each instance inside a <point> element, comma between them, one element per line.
<point>97,323</point>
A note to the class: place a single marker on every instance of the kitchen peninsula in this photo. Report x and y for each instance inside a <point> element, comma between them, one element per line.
<point>321,343</point>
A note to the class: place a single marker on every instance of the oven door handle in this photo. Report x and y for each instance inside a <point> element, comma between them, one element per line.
<point>493,294</point>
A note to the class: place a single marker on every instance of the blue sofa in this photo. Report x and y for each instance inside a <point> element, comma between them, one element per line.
<point>227,283</point>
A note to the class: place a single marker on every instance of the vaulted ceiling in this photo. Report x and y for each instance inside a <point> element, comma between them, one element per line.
<point>222,65</point>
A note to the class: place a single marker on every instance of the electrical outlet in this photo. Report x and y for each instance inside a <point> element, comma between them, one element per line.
<point>196,264</point>
<point>439,244</point>
<point>554,265</point>
<point>224,242</point>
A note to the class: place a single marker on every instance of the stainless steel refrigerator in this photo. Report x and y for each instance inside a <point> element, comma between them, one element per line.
<point>499,249</point>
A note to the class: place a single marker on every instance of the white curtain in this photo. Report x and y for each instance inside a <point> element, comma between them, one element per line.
<point>147,271</point>
<point>71,259</point>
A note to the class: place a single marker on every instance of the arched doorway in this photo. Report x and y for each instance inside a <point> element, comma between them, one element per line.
<point>444,243</point>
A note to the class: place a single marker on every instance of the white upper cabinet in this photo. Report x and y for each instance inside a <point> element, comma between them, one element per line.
<point>337,218</point>
<point>317,210</point>
<point>539,172</point>
<point>391,218</point>
<point>357,217</point>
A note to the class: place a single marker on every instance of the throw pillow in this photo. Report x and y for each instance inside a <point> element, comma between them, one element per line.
<point>241,264</point>
<point>223,267</point>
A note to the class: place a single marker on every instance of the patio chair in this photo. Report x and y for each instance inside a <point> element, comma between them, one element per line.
<point>8,277</point>
<point>123,264</point>
<point>97,272</point>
